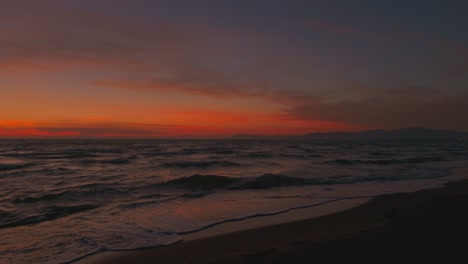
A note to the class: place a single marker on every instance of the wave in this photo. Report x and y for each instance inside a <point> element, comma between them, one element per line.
<point>269,180</point>
<point>24,171</point>
<point>200,164</point>
<point>191,151</point>
<point>383,154</point>
<point>51,213</point>
<point>202,182</point>
<point>6,216</point>
<point>293,156</point>
<point>209,150</point>
<point>160,198</point>
<point>15,166</point>
<point>257,155</point>
<point>151,154</point>
<point>73,194</point>
<point>225,151</point>
<point>341,162</point>
<point>352,179</point>
<point>151,196</point>
<point>32,199</point>
<point>117,161</point>
<point>120,161</point>
<point>315,156</point>
<point>413,160</point>
<point>299,156</point>
<point>134,205</point>
<point>194,195</point>
<point>54,155</point>
<point>212,182</point>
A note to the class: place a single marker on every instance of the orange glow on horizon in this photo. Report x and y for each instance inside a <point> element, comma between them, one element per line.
<point>26,133</point>
<point>179,127</point>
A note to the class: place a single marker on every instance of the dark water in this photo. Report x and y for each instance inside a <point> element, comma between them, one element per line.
<point>64,199</point>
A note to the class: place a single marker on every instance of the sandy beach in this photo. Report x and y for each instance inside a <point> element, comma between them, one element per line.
<point>428,226</point>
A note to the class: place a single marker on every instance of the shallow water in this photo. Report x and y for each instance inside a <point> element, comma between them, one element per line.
<point>64,199</point>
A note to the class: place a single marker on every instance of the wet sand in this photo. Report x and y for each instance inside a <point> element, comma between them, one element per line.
<point>429,226</point>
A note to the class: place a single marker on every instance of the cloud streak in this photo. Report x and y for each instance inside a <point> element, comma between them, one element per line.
<point>395,109</point>
<point>50,33</point>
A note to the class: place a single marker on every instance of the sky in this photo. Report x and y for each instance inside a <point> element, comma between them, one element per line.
<point>216,68</point>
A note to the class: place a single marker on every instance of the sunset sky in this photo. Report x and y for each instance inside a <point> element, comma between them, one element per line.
<point>215,68</point>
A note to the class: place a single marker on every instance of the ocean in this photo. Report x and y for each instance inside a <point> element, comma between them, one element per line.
<point>62,200</point>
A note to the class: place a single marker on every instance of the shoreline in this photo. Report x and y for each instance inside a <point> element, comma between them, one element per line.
<point>302,235</point>
<point>288,216</point>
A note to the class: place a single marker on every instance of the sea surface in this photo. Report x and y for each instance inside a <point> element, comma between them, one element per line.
<point>62,200</point>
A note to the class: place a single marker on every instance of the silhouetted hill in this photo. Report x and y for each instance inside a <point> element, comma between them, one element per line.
<point>414,133</point>
<point>250,136</point>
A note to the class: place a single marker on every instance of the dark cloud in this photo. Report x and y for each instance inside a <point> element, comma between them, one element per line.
<point>395,109</point>
<point>48,32</point>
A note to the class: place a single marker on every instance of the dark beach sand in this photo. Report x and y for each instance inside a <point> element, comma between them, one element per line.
<point>429,226</point>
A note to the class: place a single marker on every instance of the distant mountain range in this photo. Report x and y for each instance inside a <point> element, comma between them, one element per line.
<point>413,133</point>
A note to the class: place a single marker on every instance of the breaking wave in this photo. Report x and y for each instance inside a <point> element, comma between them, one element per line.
<point>202,182</point>
<point>268,181</point>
